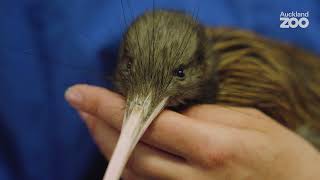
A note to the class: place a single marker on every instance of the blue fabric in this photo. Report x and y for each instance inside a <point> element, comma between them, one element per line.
<point>47,46</point>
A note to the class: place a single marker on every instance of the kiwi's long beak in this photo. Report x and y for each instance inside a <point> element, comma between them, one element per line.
<point>138,116</point>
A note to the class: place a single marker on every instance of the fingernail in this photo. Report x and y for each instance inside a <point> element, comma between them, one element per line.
<point>87,119</point>
<point>73,96</point>
<point>83,115</point>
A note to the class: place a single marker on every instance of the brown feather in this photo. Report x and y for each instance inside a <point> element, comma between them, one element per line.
<point>276,78</point>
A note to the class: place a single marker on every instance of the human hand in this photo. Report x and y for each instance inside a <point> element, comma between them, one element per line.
<point>204,142</point>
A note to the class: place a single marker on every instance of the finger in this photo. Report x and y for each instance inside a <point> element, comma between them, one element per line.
<point>171,131</point>
<point>145,161</point>
<point>247,118</point>
<point>98,101</point>
<point>109,105</point>
<point>187,137</point>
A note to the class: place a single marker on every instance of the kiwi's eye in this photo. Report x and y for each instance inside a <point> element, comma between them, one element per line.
<point>179,72</point>
<point>129,65</point>
<point>128,62</point>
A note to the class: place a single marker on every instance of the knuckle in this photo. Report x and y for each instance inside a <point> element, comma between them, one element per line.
<point>215,159</point>
<point>213,155</point>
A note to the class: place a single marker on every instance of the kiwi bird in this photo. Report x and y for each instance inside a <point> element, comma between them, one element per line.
<point>168,59</point>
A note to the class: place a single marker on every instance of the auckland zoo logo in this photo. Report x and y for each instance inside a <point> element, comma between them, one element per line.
<point>294,19</point>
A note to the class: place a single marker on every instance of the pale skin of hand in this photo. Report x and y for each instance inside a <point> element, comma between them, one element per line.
<point>204,142</point>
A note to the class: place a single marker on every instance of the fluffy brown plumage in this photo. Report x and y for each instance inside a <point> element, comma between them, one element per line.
<point>276,78</point>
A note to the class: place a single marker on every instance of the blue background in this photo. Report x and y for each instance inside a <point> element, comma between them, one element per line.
<point>47,46</point>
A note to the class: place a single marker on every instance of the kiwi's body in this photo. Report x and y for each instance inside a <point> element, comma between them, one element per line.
<point>224,66</point>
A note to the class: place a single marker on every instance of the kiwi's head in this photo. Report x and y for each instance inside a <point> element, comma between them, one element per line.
<point>163,53</point>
